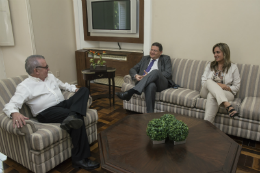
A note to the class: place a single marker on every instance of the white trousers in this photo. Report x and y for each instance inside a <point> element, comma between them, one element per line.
<point>215,96</point>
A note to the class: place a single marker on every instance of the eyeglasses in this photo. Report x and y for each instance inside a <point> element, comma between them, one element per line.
<point>152,50</point>
<point>43,67</point>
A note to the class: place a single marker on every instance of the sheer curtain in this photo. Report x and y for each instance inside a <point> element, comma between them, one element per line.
<point>6,31</point>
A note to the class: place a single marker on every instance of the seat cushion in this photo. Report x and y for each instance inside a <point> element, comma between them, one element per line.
<point>50,133</point>
<point>250,108</point>
<point>201,104</point>
<point>180,96</point>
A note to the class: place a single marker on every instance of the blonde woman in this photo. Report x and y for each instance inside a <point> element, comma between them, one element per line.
<point>220,83</point>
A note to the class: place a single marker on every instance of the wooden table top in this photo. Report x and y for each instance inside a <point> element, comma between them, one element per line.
<point>87,71</point>
<point>125,147</point>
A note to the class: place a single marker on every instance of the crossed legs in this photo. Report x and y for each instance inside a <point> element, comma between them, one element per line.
<point>75,106</point>
<point>155,77</point>
<point>215,97</point>
<point>150,84</point>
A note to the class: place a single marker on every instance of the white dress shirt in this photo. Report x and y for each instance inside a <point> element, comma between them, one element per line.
<point>37,94</point>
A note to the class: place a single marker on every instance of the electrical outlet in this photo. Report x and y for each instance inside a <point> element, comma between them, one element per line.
<point>57,73</point>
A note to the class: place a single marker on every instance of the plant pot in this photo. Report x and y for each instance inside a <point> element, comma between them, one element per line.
<point>159,142</point>
<point>179,142</point>
<point>98,68</point>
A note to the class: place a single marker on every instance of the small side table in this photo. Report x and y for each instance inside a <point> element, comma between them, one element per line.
<point>110,74</point>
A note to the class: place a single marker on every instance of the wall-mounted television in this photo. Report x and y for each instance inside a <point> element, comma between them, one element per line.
<point>113,16</point>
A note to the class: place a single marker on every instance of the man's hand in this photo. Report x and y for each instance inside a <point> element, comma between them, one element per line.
<point>224,87</point>
<point>18,119</point>
<point>145,73</point>
<point>138,77</point>
<point>76,89</point>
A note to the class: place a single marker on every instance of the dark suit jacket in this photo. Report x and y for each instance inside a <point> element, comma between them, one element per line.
<point>164,65</point>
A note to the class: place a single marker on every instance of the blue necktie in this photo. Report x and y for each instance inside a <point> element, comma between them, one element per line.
<point>149,66</point>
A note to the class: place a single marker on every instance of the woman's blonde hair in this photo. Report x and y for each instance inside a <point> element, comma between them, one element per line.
<point>226,53</point>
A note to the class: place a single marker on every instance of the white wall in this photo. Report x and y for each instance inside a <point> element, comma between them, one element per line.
<point>14,56</point>
<point>46,28</point>
<point>54,35</point>
<point>189,29</point>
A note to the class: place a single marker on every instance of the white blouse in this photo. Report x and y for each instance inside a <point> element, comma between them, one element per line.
<point>231,79</point>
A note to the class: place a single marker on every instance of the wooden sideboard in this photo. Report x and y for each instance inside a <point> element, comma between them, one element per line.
<point>122,66</point>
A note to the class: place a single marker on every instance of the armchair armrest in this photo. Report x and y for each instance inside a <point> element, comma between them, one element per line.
<point>7,124</point>
<point>128,80</point>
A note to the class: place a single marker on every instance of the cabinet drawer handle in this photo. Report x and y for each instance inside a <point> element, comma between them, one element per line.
<point>100,75</point>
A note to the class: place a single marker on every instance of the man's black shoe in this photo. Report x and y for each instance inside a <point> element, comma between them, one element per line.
<point>71,122</point>
<point>124,95</point>
<point>85,164</point>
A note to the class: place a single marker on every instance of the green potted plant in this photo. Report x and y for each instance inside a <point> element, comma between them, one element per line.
<point>168,119</point>
<point>157,131</point>
<point>99,65</point>
<point>178,132</point>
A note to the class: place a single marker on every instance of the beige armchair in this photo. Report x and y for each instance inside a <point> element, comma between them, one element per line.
<point>37,146</point>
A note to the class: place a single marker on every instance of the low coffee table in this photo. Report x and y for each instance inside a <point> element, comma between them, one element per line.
<point>125,147</point>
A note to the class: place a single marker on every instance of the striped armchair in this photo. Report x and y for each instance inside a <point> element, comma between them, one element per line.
<point>37,146</point>
<point>186,100</point>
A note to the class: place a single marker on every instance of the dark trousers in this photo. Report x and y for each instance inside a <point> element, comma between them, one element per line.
<point>150,84</point>
<point>76,104</point>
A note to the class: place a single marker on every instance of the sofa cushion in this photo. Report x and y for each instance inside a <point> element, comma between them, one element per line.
<point>249,84</point>
<point>187,73</point>
<point>250,108</point>
<point>126,87</point>
<point>180,96</point>
<point>50,133</point>
<point>201,104</point>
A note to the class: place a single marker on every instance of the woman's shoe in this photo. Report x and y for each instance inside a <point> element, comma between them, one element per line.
<point>230,112</point>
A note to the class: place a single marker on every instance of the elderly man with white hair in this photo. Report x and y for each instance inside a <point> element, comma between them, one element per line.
<point>41,92</point>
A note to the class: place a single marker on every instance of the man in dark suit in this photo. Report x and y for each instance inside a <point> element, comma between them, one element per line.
<point>152,74</point>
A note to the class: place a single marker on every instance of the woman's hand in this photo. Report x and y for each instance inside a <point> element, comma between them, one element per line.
<point>224,87</point>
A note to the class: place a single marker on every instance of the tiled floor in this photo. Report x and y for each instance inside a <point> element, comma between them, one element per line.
<point>249,160</point>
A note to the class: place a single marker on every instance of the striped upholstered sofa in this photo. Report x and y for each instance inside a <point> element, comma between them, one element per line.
<point>37,146</point>
<point>187,101</point>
